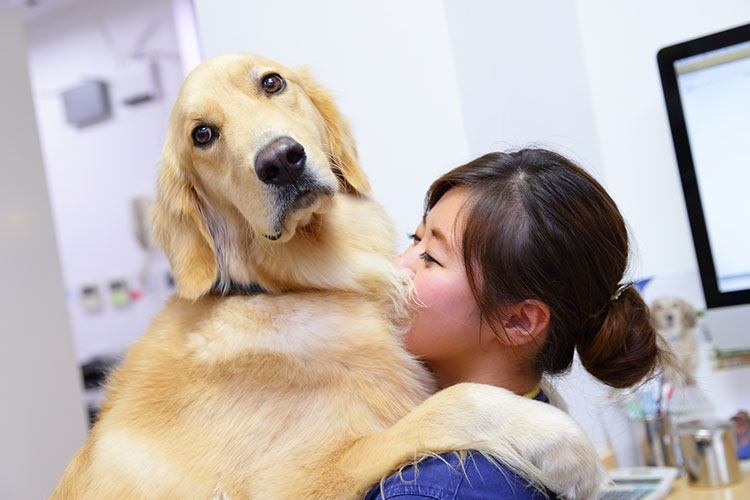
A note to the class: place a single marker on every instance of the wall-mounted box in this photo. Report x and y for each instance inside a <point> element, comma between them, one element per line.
<point>91,300</point>
<point>87,103</point>
<point>119,293</point>
<point>138,81</point>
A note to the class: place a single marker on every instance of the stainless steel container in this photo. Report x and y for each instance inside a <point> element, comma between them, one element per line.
<point>657,442</point>
<point>709,452</point>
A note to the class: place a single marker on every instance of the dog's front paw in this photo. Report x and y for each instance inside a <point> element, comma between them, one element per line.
<point>566,458</point>
<point>536,439</point>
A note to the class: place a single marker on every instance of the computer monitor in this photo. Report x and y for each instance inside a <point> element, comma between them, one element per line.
<point>706,83</point>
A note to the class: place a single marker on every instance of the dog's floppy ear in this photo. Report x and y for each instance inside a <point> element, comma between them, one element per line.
<point>179,227</point>
<point>688,315</point>
<point>343,150</point>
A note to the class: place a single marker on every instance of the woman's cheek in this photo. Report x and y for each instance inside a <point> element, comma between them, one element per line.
<point>425,290</point>
<point>417,335</point>
<point>436,309</point>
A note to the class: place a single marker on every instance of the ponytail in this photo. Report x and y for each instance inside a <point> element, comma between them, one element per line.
<point>622,349</point>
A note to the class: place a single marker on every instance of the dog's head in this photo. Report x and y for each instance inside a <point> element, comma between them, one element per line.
<point>255,153</point>
<point>672,315</point>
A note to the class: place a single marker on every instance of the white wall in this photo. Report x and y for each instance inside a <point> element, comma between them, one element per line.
<point>94,172</point>
<point>43,420</point>
<point>522,79</point>
<point>390,65</point>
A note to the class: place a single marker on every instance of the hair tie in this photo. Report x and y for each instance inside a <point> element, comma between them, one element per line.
<point>620,289</point>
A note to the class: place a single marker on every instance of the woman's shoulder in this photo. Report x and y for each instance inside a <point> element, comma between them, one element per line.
<point>447,477</point>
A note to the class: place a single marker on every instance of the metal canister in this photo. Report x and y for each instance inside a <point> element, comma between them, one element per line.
<point>709,452</point>
<point>657,442</point>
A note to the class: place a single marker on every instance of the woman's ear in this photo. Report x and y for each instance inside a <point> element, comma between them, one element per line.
<point>342,148</point>
<point>525,321</point>
<point>180,230</point>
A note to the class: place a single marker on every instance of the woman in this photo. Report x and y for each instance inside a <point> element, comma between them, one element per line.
<point>517,263</point>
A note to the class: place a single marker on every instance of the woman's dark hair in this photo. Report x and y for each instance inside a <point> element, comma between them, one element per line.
<point>537,226</point>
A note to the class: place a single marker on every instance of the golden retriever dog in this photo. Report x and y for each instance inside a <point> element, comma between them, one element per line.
<point>277,370</point>
<point>674,322</point>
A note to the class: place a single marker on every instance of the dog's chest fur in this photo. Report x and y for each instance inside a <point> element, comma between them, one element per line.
<point>255,386</point>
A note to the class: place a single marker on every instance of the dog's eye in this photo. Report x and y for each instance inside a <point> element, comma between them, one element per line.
<point>203,135</point>
<point>273,83</point>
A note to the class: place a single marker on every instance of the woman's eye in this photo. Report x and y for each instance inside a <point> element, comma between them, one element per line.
<point>203,135</point>
<point>413,236</point>
<point>428,258</point>
<point>273,83</point>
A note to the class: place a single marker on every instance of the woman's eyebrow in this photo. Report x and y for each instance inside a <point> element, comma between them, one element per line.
<point>440,237</point>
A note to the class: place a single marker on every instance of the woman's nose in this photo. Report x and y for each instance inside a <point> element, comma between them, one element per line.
<point>405,262</point>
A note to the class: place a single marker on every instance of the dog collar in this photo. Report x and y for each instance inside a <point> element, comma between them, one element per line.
<point>237,289</point>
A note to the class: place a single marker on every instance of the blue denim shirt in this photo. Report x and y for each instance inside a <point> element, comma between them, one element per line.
<point>444,478</point>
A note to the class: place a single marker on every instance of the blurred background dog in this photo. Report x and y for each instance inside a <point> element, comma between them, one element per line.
<point>674,321</point>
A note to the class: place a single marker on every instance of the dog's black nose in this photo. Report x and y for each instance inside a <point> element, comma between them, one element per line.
<point>281,162</point>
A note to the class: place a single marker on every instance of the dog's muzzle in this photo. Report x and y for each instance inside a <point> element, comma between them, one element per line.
<point>282,167</point>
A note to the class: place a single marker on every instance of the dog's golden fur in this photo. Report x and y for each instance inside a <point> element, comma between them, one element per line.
<point>304,392</point>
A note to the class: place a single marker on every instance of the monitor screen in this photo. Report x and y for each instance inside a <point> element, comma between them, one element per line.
<point>706,86</point>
